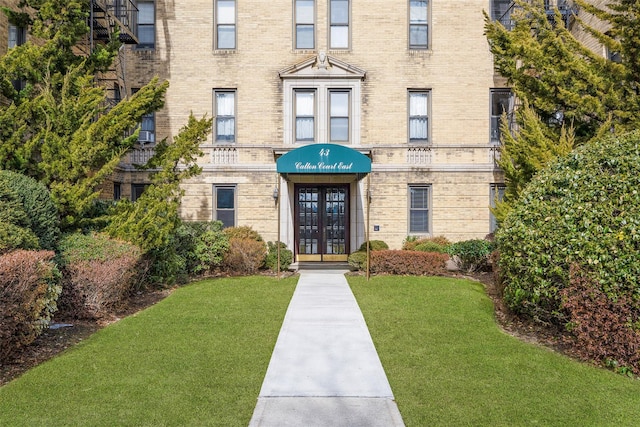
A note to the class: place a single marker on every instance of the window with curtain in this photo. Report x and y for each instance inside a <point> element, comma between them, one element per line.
<point>225,18</point>
<point>418,24</point>
<point>419,196</point>
<point>305,115</point>
<point>225,108</point>
<point>418,116</point>
<point>339,115</point>
<point>339,24</point>
<point>146,25</point>
<point>225,204</point>
<point>305,24</point>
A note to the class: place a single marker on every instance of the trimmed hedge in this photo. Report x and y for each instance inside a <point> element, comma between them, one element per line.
<point>15,232</point>
<point>471,255</point>
<point>584,209</point>
<point>374,245</point>
<point>28,295</point>
<point>411,242</point>
<point>286,257</point>
<point>98,274</point>
<point>42,214</point>
<point>245,256</point>
<point>203,246</point>
<point>408,263</point>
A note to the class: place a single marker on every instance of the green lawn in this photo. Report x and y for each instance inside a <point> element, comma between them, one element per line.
<point>449,364</point>
<point>197,358</point>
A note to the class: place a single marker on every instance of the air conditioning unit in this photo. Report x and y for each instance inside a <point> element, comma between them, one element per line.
<point>146,136</point>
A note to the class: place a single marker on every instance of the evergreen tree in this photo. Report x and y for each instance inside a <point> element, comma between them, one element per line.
<point>569,94</point>
<point>57,129</point>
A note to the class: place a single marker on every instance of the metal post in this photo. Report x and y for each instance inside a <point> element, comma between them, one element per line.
<point>278,241</point>
<point>367,226</point>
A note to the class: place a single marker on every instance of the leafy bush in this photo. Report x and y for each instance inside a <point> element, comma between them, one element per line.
<point>604,330</point>
<point>42,214</point>
<point>14,222</point>
<point>245,256</point>
<point>242,232</point>
<point>286,257</point>
<point>429,246</point>
<point>583,209</point>
<point>28,295</point>
<point>471,255</point>
<point>408,263</point>
<point>202,245</point>
<point>411,242</point>
<point>358,260</point>
<point>374,245</point>
<point>98,274</point>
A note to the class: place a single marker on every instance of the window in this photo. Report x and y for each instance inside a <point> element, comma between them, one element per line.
<point>419,209</point>
<point>339,24</point>
<point>17,36</point>
<point>501,103</point>
<point>146,25</point>
<point>225,111</point>
<point>501,11</point>
<point>225,204</point>
<point>305,115</point>
<point>305,24</point>
<point>418,25</point>
<point>339,116</point>
<point>117,191</point>
<point>496,194</point>
<point>147,126</point>
<point>418,116</point>
<point>225,14</point>
<point>137,190</point>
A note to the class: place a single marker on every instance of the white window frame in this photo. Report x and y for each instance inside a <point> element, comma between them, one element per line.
<point>233,23</point>
<point>322,88</point>
<point>412,139</point>
<point>147,133</point>
<point>234,209</point>
<point>298,23</point>
<point>303,116</point>
<point>333,40</point>
<point>141,24</point>
<point>419,24</point>
<point>411,209</point>
<point>219,117</point>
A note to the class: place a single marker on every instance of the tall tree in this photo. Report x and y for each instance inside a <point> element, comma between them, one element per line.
<point>57,128</point>
<point>569,94</point>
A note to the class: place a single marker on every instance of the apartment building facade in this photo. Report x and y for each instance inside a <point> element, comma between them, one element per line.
<point>334,120</point>
<point>331,117</point>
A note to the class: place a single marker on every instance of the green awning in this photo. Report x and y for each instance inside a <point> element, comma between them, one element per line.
<point>323,159</point>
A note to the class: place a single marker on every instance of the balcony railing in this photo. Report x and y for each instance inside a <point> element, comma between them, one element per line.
<point>568,10</point>
<point>109,15</point>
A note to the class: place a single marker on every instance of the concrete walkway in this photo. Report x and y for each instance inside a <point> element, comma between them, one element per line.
<point>324,370</point>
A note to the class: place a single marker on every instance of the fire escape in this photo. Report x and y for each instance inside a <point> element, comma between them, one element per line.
<point>106,18</point>
<point>568,11</point>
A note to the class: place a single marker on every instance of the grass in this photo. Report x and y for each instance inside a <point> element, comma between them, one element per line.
<point>198,358</point>
<point>450,365</point>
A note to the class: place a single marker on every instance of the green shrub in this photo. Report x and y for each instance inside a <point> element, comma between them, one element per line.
<point>374,245</point>
<point>14,222</point>
<point>583,209</point>
<point>28,295</point>
<point>411,263</point>
<point>242,232</point>
<point>358,260</point>
<point>42,214</point>
<point>98,274</point>
<point>286,257</point>
<point>471,255</point>
<point>411,242</point>
<point>203,246</point>
<point>429,246</point>
<point>245,256</point>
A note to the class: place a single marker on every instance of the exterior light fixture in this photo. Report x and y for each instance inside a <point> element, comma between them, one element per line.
<point>275,194</point>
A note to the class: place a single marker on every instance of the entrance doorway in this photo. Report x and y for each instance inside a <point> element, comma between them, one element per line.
<point>322,222</point>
